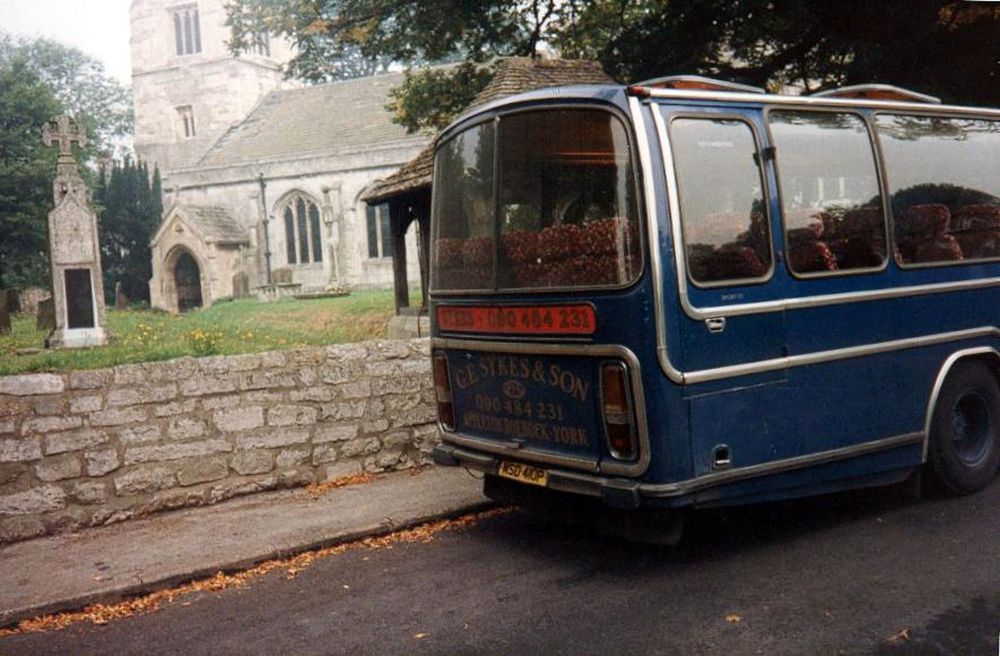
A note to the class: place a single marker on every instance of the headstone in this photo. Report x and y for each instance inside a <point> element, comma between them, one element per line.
<point>13,301</point>
<point>121,299</point>
<point>241,285</point>
<point>46,317</point>
<point>77,283</point>
<point>30,298</point>
<point>4,318</point>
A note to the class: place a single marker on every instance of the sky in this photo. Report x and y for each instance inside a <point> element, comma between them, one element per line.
<point>97,27</point>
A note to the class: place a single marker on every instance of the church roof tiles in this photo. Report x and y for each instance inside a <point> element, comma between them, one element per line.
<point>215,223</point>
<point>346,116</point>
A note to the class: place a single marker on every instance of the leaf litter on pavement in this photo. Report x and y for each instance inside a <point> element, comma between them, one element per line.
<point>101,614</point>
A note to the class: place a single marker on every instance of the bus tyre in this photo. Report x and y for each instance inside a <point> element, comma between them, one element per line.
<point>964,449</point>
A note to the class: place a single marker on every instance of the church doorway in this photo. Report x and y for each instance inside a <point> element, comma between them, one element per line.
<point>187,282</point>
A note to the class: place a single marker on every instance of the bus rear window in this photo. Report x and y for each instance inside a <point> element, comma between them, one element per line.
<point>726,237</point>
<point>566,213</point>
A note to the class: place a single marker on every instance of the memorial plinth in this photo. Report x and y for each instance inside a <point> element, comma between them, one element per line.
<point>77,282</point>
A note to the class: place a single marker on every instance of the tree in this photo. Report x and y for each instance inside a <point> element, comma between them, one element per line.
<point>27,169</point>
<point>98,101</point>
<point>943,47</point>
<point>947,48</point>
<point>321,57</point>
<point>129,209</point>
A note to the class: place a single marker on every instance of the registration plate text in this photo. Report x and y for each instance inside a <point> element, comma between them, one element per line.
<point>524,473</point>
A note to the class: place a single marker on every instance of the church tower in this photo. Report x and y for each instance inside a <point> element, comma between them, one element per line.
<point>187,87</point>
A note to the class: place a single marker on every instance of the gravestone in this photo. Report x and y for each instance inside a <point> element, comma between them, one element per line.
<point>241,285</point>
<point>4,316</point>
<point>121,299</point>
<point>77,285</point>
<point>45,319</point>
<point>30,297</point>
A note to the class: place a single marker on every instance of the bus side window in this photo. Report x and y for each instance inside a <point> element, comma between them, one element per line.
<point>723,218</point>
<point>830,198</point>
<point>944,181</point>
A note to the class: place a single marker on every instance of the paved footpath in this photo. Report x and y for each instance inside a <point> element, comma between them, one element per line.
<point>105,564</point>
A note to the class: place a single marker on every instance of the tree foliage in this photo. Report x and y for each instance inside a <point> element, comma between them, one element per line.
<point>321,57</point>
<point>948,48</point>
<point>130,205</point>
<point>431,97</point>
<point>39,79</point>
<point>83,88</point>
<point>27,169</point>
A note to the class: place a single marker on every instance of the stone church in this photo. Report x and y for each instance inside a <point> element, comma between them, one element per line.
<point>263,178</point>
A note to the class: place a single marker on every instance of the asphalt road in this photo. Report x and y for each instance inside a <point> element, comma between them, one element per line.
<point>840,574</point>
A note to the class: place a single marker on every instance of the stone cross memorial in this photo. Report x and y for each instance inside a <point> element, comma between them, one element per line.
<point>77,283</point>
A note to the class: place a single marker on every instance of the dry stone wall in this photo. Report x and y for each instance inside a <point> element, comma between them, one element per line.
<point>88,448</point>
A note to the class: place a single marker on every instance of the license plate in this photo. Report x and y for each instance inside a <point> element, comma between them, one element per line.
<point>524,473</point>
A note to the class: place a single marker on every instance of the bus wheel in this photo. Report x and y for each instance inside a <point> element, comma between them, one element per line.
<point>964,445</point>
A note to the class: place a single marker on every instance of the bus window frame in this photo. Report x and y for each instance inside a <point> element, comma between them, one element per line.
<point>765,195</point>
<point>473,123</point>
<point>496,116</point>
<point>879,174</point>
<point>909,266</point>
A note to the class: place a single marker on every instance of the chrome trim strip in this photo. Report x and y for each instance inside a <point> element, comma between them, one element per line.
<point>697,484</point>
<point>674,207</point>
<point>520,451</point>
<point>513,450</point>
<point>779,466</point>
<point>653,230</point>
<point>817,357</point>
<point>915,95</point>
<point>814,101</point>
<point>803,302</point>
<point>939,382</point>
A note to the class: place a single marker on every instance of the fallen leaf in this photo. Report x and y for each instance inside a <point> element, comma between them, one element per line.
<point>419,636</point>
<point>351,479</point>
<point>733,618</point>
<point>902,636</point>
<point>102,614</point>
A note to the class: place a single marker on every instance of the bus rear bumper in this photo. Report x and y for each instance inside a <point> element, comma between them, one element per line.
<point>620,493</point>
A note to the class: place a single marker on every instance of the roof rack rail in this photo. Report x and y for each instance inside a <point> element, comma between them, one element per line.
<point>697,82</point>
<point>877,92</point>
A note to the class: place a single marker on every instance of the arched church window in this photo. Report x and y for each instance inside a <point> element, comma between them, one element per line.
<point>187,30</point>
<point>379,231</point>
<point>303,232</point>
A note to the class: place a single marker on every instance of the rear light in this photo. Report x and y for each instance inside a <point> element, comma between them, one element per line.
<point>616,407</point>
<point>442,392</point>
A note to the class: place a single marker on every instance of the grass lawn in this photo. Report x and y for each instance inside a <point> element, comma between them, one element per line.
<point>243,326</point>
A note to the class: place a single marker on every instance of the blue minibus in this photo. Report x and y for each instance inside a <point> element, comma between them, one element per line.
<point>689,293</point>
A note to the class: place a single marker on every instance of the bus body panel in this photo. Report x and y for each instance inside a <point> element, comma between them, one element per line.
<point>831,396</point>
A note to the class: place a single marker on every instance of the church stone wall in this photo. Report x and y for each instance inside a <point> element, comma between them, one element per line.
<point>88,448</point>
<point>334,182</point>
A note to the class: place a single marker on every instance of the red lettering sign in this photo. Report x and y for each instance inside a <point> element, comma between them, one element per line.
<point>518,320</point>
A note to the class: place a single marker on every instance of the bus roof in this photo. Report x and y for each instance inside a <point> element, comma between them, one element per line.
<point>618,95</point>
